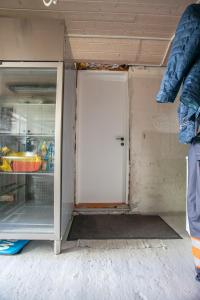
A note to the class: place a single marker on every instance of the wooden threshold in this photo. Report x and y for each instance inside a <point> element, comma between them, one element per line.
<point>100,205</point>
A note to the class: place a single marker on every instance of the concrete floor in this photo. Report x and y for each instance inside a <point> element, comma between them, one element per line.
<point>101,270</point>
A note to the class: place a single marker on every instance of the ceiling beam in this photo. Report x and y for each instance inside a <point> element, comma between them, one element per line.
<point>124,37</point>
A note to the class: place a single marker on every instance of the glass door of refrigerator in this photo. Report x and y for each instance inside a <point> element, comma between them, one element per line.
<point>27,149</point>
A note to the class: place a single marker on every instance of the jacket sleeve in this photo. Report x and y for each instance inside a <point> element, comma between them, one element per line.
<point>184,51</point>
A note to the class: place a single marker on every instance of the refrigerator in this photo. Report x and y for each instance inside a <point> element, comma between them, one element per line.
<point>37,112</point>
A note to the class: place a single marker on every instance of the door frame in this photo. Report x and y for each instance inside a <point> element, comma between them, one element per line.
<point>127,133</point>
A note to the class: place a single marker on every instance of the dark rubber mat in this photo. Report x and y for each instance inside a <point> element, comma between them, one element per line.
<point>120,227</point>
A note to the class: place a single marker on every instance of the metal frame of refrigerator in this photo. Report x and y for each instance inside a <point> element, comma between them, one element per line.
<point>57,234</point>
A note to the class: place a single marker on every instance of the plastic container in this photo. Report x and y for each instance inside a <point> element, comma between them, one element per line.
<point>24,166</point>
<point>21,162</point>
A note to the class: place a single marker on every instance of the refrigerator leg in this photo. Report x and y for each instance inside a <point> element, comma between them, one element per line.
<point>57,247</point>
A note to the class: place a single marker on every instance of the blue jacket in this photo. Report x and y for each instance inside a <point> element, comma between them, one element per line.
<point>183,67</point>
<point>188,126</point>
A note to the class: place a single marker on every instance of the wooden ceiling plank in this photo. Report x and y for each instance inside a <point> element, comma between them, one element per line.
<point>139,31</point>
<point>126,17</point>
<point>116,57</point>
<point>121,45</point>
<point>173,8</point>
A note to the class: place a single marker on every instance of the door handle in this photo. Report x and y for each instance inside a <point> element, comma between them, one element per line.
<point>121,138</point>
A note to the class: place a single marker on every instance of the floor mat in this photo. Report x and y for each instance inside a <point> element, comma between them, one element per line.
<point>10,247</point>
<point>120,227</point>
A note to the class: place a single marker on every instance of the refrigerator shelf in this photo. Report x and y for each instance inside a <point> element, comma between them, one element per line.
<point>27,217</point>
<point>12,189</point>
<point>28,173</point>
<point>26,135</point>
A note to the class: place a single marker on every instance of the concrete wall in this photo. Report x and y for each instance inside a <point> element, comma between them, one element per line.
<point>31,39</point>
<point>157,179</point>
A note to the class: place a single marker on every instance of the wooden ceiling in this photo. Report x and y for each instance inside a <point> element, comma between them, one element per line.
<point>113,31</point>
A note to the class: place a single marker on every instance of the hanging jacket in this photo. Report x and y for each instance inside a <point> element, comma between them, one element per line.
<point>187,117</point>
<point>183,67</point>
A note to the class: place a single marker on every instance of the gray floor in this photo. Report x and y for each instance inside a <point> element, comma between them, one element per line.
<point>98,270</point>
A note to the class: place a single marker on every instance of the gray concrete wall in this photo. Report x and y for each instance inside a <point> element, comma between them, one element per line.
<point>31,39</point>
<point>157,167</point>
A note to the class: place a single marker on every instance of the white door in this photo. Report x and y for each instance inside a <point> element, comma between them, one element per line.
<point>102,137</point>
